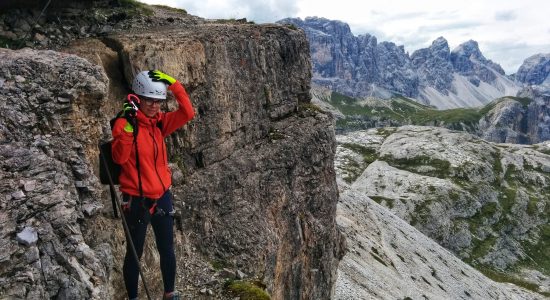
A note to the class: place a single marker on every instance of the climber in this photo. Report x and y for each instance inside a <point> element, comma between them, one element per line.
<point>138,146</point>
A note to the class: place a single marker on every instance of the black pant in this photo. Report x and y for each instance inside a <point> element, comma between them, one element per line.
<point>138,215</point>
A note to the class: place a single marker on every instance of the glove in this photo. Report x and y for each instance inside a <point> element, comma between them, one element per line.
<point>129,112</point>
<point>157,75</point>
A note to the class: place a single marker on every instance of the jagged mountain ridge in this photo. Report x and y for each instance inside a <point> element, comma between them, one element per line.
<point>362,67</point>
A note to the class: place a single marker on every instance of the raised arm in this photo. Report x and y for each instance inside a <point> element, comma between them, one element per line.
<point>176,119</point>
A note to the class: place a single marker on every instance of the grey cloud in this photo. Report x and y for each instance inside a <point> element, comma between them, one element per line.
<point>507,15</point>
<point>386,17</point>
<point>449,26</point>
<point>510,55</point>
<point>272,10</point>
<point>259,11</point>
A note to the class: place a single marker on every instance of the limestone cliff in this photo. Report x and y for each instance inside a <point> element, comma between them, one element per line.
<point>362,67</point>
<point>390,259</point>
<point>488,203</point>
<point>253,172</point>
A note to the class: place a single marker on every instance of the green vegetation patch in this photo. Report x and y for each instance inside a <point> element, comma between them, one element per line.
<point>389,202</point>
<point>507,199</point>
<point>532,206</point>
<point>174,9</point>
<point>539,252</point>
<point>352,169</point>
<point>291,26</point>
<point>219,264</point>
<point>246,290</point>
<point>497,165</point>
<point>487,108</point>
<point>350,107</point>
<point>421,212</point>
<point>441,168</point>
<point>369,155</point>
<point>486,212</point>
<point>482,247</point>
<point>505,277</point>
<point>523,100</point>
<point>468,116</point>
<point>11,44</point>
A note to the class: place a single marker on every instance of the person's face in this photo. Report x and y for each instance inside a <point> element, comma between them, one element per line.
<point>150,106</point>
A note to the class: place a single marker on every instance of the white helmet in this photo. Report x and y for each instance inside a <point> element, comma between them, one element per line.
<point>145,86</point>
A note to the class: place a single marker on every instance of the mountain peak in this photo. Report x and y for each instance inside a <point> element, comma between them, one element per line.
<point>327,26</point>
<point>535,70</point>
<point>440,41</point>
<point>469,49</point>
<point>361,66</point>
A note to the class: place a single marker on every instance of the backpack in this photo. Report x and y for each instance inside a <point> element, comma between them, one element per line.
<point>108,167</point>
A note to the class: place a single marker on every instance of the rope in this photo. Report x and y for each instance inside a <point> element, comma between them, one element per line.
<point>125,224</point>
<point>21,41</point>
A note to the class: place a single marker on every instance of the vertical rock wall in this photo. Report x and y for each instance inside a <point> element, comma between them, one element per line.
<point>259,188</point>
<point>253,172</point>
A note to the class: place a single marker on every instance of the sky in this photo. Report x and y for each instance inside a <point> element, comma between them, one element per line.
<point>507,31</point>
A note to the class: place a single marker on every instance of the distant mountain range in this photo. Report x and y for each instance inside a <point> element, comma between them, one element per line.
<point>361,67</point>
<point>518,120</point>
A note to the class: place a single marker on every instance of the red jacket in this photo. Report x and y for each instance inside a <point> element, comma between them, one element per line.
<point>153,162</point>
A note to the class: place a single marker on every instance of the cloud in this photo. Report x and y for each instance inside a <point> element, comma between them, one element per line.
<point>260,11</point>
<point>507,31</point>
<point>386,16</point>
<point>506,16</point>
<point>442,28</point>
<point>510,55</point>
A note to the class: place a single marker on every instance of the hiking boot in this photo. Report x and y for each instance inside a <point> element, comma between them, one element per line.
<point>175,295</point>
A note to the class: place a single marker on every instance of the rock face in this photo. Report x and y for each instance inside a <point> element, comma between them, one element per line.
<point>434,65</point>
<point>487,203</point>
<point>517,120</point>
<point>356,66</point>
<point>361,67</point>
<point>535,70</point>
<point>389,259</point>
<point>253,172</point>
<point>467,60</point>
<point>49,194</point>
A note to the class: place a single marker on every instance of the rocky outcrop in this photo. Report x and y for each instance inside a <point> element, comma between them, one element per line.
<point>390,259</point>
<point>468,61</point>
<point>505,123</point>
<point>517,120</point>
<point>535,70</point>
<point>434,65</point>
<point>361,67</point>
<point>356,66</point>
<point>253,172</point>
<point>49,194</point>
<point>487,203</point>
